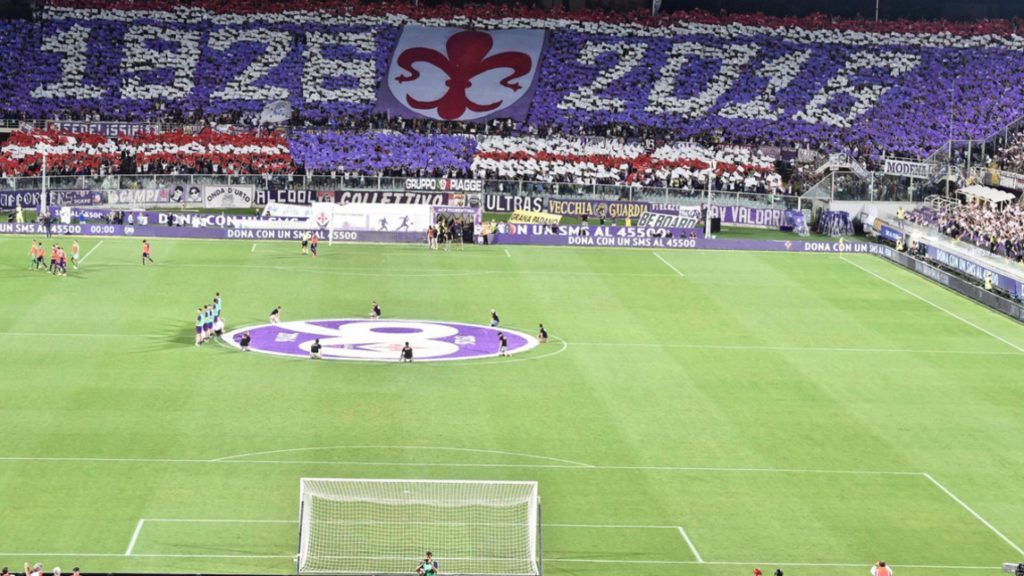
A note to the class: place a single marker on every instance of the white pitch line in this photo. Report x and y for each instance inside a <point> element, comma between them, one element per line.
<point>758,563</point>
<point>676,270</point>
<point>78,335</point>
<point>507,254</point>
<point>221,521</point>
<point>386,447</point>
<point>112,555</point>
<point>454,465</point>
<point>643,526</point>
<point>575,560</point>
<point>929,302</point>
<point>91,251</point>
<point>975,514</point>
<point>273,521</point>
<point>253,247</point>
<point>795,348</point>
<point>690,544</point>
<point>609,344</point>
<point>135,536</point>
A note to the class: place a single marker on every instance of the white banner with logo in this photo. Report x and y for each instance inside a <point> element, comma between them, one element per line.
<point>234,196</point>
<point>141,197</point>
<point>278,210</point>
<point>688,217</point>
<point>372,217</point>
<point>443,185</point>
<point>909,169</point>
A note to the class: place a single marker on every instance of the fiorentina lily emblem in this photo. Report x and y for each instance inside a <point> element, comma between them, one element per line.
<point>467,59</point>
<point>451,74</point>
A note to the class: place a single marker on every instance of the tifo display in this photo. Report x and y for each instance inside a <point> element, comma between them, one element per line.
<point>898,90</point>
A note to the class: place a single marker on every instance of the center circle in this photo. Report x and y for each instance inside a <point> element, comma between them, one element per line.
<point>380,340</point>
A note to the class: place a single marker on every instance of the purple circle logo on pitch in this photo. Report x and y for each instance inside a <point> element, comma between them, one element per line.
<point>380,340</point>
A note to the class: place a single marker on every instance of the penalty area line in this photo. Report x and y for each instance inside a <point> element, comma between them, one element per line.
<point>674,269</point>
<point>135,537</point>
<point>690,544</point>
<point>507,253</point>
<point>91,251</point>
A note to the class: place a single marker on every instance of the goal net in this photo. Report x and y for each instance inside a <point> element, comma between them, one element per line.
<point>357,526</point>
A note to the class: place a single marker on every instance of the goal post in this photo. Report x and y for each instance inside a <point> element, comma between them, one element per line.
<point>361,526</point>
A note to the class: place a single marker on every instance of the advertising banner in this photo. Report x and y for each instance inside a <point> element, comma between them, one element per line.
<point>973,269</point>
<point>263,197</point>
<point>891,234</point>
<point>463,213</point>
<point>347,196</point>
<point>267,197</point>
<point>509,203</point>
<point>597,208</point>
<point>680,239</point>
<point>141,197</point>
<point>444,185</point>
<point>199,232</point>
<point>234,196</point>
<point>910,169</point>
<point>528,217</point>
<point>112,129</point>
<point>76,197</point>
<point>9,200</point>
<point>744,216</point>
<point>688,218</point>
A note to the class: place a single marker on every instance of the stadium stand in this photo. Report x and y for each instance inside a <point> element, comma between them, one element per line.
<point>997,229</point>
<point>688,100</point>
<point>900,87</point>
<point>208,152</point>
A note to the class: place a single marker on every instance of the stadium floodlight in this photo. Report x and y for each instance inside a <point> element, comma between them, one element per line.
<point>361,526</point>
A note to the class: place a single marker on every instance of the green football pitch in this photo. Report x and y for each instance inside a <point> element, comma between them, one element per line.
<point>695,412</point>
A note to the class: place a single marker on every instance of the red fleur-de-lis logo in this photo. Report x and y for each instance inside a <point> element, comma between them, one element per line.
<point>467,58</point>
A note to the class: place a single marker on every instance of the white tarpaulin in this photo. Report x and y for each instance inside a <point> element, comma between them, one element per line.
<point>990,194</point>
<point>232,196</point>
<point>372,217</point>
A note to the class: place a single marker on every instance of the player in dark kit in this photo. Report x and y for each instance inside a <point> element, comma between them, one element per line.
<point>542,334</point>
<point>374,311</point>
<point>406,355</point>
<point>502,344</point>
<point>245,341</point>
<point>457,233</point>
<point>145,253</point>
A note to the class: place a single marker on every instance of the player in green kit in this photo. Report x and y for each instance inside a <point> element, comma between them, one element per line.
<point>428,567</point>
<point>199,326</point>
<point>207,322</point>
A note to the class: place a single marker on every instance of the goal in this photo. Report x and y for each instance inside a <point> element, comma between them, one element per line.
<point>359,526</point>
